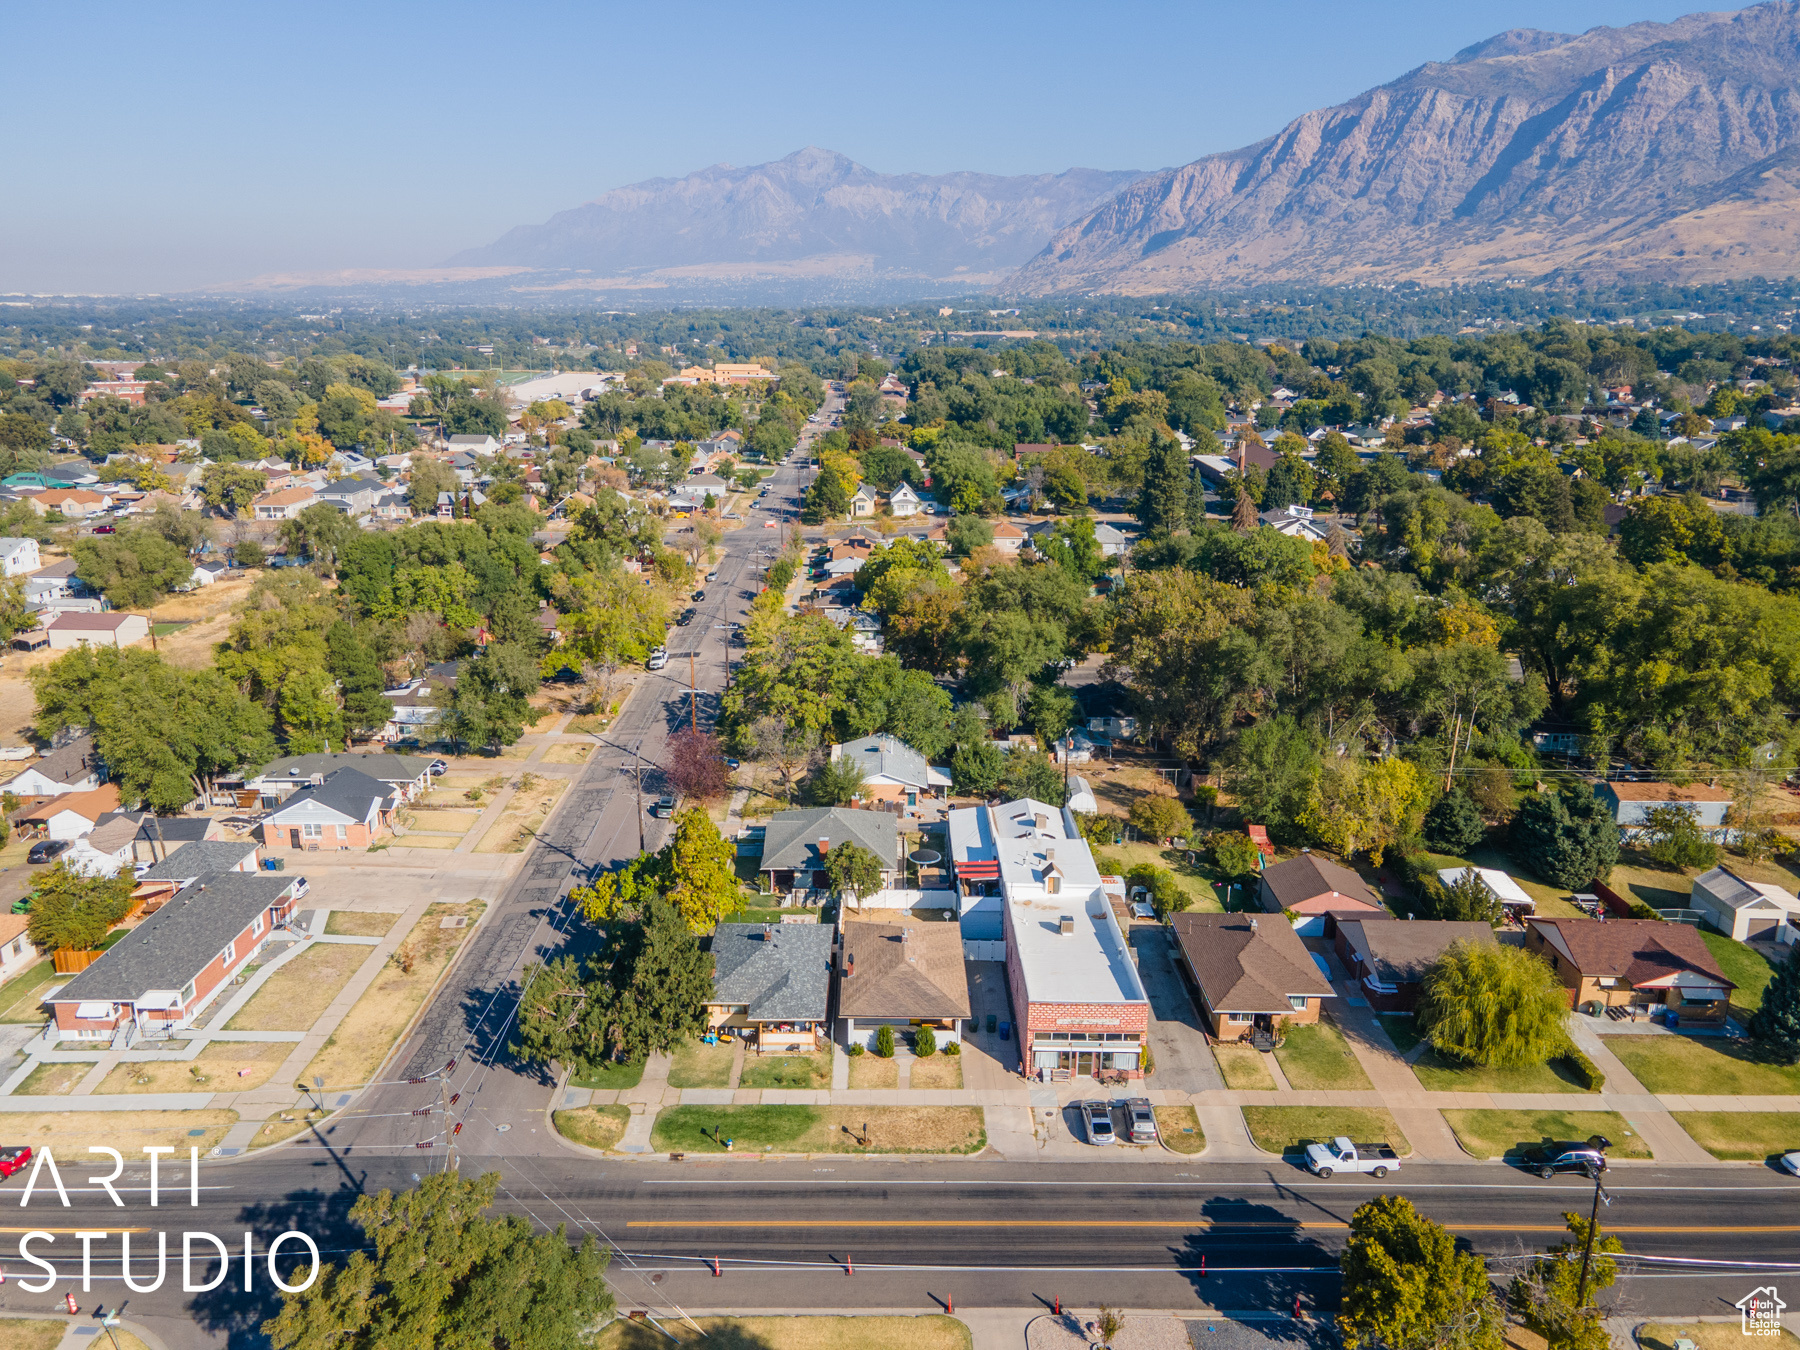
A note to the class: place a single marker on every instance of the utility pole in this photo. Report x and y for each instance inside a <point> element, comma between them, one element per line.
<point>693,697</point>
<point>1587,1251</point>
<point>637,773</point>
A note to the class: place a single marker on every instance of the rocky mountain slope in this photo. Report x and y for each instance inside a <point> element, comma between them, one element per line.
<point>1651,152</point>
<point>813,218</point>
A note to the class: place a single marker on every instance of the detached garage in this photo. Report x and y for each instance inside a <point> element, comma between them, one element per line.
<point>1748,911</point>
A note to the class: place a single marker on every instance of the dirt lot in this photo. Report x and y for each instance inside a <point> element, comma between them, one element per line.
<point>296,996</point>
<point>524,816</point>
<point>224,1066</point>
<point>128,1131</point>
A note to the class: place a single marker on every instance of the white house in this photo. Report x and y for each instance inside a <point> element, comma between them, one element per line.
<point>1743,910</point>
<point>74,767</point>
<point>286,504</point>
<point>106,850</point>
<point>475,445</point>
<point>904,502</point>
<point>18,556</point>
<point>16,951</point>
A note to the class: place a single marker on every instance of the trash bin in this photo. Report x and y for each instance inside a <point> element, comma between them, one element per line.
<point>990,1024</point>
<point>1006,1031</point>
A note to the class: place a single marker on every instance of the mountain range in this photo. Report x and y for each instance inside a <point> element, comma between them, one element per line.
<point>813,218</point>
<point>1653,152</point>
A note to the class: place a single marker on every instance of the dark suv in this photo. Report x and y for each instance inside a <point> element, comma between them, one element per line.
<point>44,850</point>
<point>1549,1159</point>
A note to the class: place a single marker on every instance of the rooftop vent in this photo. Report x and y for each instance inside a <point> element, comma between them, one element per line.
<point>1253,923</point>
<point>1066,924</point>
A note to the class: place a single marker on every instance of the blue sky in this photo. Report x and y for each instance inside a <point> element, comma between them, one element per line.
<point>161,147</point>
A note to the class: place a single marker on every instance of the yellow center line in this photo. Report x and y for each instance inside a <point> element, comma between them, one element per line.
<point>1310,1225</point>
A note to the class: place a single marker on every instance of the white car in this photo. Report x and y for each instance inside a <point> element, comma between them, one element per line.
<point>300,888</point>
<point>1142,909</point>
<point>658,659</point>
<point>1791,1161</point>
<point>1096,1119</point>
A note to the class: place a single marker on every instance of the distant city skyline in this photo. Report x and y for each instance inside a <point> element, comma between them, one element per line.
<point>166,149</point>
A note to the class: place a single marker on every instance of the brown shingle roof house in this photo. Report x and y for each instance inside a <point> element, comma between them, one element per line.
<point>1253,972</point>
<point>1388,958</point>
<point>901,973</point>
<point>1313,887</point>
<point>1634,963</point>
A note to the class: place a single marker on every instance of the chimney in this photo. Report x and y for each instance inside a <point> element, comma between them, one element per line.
<point>824,846</point>
<point>768,932</point>
<point>1066,925</point>
<point>849,964</point>
<point>1252,923</point>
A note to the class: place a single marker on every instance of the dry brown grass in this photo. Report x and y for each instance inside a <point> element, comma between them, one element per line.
<point>1243,1069</point>
<point>437,841</point>
<point>874,1073</point>
<point>939,1071</point>
<point>285,1125</point>
<point>930,1332</point>
<point>362,1041</point>
<point>52,1080</point>
<point>896,1129</point>
<point>22,1333</point>
<point>444,819</point>
<point>296,996</point>
<point>575,752</point>
<point>1180,1129</point>
<point>359,923</point>
<point>1711,1336</point>
<point>128,1131</point>
<point>223,1066</point>
<point>523,817</point>
<point>595,1126</point>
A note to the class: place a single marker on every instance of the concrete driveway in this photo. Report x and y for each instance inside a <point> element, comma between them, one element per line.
<point>1184,1061</point>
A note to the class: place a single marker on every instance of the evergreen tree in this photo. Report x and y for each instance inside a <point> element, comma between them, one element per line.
<point>1568,838</point>
<point>1162,506</point>
<point>1454,824</point>
<point>669,979</point>
<point>359,678</point>
<point>1545,1294</point>
<point>1775,1027</point>
<point>1243,515</point>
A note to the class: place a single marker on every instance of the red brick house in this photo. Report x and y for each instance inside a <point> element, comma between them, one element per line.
<point>347,810</point>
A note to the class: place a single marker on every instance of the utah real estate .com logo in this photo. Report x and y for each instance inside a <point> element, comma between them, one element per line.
<point>1761,1309</point>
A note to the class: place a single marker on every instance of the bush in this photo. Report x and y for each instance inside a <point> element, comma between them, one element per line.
<point>1156,816</point>
<point>884,1042</point>
<point>952,1047</point>
<point>1583,1070</point>
<point>856,1049</point>
<point>1639,910</point>
<point>1676,839</point>
<point>1165,892</point>
<point>925,1043</point>
<point>1455,824</point>
<point>1098,828</point>
<point>247,553</point>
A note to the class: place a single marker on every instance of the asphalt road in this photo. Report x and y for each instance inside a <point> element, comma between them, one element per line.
<point>1237,1238</point>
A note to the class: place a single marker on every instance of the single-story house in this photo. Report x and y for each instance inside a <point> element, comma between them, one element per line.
<point>1503,888</point>
<point>892,770</point>
<point>174,962</point>
<point>159,836</point>
<point>16,951</point>
<point>73,814</point>
<point>795,844</point>
<point>347,810</point>
<point>475,445</point>
<point>105,850</point>
<point>1746,910</point>
<point>285,504</point>
<point>901,975</point>
<point>1107,709</point>
<point>1388,958</point>
<point>1633,963</point>
<point>69,630</point>
<point>1253,973</point>
<point>55,581</point>
<point>408,775</point>
<point>772,984</point>
<point>1631,803</point>
<point>1309,889</point>
<point>74,767</point>
<point>18,556</point>
<point>75,503</point>
<point>192,861</point>
<point>1008,537</point>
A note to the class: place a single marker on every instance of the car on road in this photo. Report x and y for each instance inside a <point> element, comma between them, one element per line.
<point>768,524</point>
<point>1096,1121</point>
<point>1340,1155</point>
<point>700,595</point>
<point>712,576</point>
<point>105,529</point>
<point>663,807</point>
<point>1141,1117</point>
<point>44,850</point>
<point>1549,1159</point>
<point>1791,1161</point>
<point>658,659</point>
<point>13,1159</point>
<point>687,617</point>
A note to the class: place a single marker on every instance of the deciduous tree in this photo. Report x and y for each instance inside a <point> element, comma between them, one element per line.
<point>1407,1287</point>
<point>1500,1007</point>
<point>853,870</point>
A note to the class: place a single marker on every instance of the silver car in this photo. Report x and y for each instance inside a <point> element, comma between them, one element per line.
<point>1141,1116</point>
<point>1096,1117</point>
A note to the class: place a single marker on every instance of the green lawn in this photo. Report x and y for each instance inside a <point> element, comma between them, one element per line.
<point>1289,1129</point>
<point>1402,1029</point>
<point>696,1065</point>
<point>787,1071</point>
<point>608,1077</point>
<point>1742,1134</point>
<point>21,995</point>
<point>1745,967</point>
<point>1197,879</point>
<point>820,1129</point>
<point>595,1126</point>
<point>1702,1068</point>
<point>1507,1134</point>
<point>1440,1073</point>
<point>1318,1057</point>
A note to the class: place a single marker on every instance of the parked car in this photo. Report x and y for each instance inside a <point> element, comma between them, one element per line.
<point>712,576</point>
<point>1549,1159</point>
<point>46,849</point>
<point>658,659</point>
<point>701,594</point>
<point>13,1159</point>
<point>438,768</point>
<point>1096,1118</point>
<point>1340,1155</point>
<point>301,887</point>
<point>663,808</point>
<point>106,529</point>
<point>1791,1161</point>
<point>687,617</point>
<point>1142,1118</point>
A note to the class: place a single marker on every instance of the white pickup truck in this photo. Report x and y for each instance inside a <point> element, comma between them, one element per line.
<point>1340,1155</point>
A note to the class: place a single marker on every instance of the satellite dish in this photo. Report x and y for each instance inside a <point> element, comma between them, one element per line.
<point>925,857</point>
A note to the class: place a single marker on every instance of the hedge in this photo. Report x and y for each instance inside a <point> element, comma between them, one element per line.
<point>1584,1070</point>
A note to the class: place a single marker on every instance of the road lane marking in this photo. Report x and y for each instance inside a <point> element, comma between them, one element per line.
<point>1208,1225</point>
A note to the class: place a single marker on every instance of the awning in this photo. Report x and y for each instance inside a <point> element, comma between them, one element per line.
<point>979,869</point>
<point>93,1010</point>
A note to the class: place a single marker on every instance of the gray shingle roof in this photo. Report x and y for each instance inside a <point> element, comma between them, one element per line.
<point>71,763</point>
<point>388,768</point>
<point>887,756</point>
<point>1400,953</point>
<point>201,858</point>
<point>174,944</point>
<point>778,972</point>
<point>346,791</point>
<point>792,837</point>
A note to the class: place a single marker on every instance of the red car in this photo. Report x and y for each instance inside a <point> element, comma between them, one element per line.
<point>12,1159</point>
<point>104,529</point>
